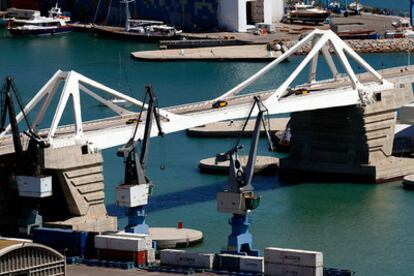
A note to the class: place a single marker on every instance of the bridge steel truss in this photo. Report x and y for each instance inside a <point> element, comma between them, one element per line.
<point>279,101</point>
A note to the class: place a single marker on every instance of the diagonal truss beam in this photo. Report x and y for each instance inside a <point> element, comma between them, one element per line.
<point>74,84</point>
<point>320,42</point>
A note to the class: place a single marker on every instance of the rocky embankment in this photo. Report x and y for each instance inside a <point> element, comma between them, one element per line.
<point>366,46</point>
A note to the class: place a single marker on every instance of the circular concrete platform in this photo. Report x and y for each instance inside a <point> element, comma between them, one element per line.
<point>169,237</point>
<point>408,182</point>
<point>264,165</point>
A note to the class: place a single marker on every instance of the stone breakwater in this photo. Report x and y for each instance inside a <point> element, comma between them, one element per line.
<point>367,45</point>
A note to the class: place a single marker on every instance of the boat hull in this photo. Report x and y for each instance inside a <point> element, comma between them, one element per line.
<point>308,17</point>
<point>369,34</point>
<point>116,32</point>
<point>39,32</point>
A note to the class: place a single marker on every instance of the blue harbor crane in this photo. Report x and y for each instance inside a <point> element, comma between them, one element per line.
<point>137,187</point>
<point>26,169</point>
<point>238,198</point>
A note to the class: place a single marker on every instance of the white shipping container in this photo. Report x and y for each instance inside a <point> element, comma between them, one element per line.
<point>33,186</point>
<point>289,270</point>
<point>132,244</point>
<point>132,195</point>
<point>199,260</point>
<point>186,259</point>
<point>169,256</point>
<point>147,238</point>
<point>252,264</point>
<point>293,257</point>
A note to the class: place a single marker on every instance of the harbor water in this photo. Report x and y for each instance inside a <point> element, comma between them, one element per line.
<point>366,228</point>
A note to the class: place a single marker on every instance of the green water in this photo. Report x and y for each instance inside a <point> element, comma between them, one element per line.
<point>366,228</point>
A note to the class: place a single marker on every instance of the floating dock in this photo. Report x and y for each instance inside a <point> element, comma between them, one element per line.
<point>197,43</point>
<point>233,128</point>
<point>264,165</point>
<point>169,237</point>
<point>235,53</point>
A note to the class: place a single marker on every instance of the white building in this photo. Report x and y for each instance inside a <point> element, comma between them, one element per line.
<point>241,15</point>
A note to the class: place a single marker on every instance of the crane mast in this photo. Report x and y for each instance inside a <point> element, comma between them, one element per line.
<point>137,187</point>
<point>26,170</point>
<point>238,198</point>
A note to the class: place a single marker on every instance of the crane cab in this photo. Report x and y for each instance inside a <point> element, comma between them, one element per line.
<point>132,195</point>
<point>237,203</point>
<point>34,186</point>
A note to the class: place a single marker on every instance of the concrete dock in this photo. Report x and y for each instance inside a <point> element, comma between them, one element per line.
<point>264,165</point>
<point>236,53</point>
<point>233,128</point>
<point>169,237</point>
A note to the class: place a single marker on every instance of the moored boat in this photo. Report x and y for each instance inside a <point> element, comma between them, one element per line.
<point>335,7</point>
<point>13,13</point>
<point>403,29</point>
<point>355,8</point>
<point>354,31</point>
<point>143,30</point>
<point>307,14</point>
<point>55,23</point>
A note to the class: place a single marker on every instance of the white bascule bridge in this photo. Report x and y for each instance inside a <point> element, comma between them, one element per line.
<point>370,99</point>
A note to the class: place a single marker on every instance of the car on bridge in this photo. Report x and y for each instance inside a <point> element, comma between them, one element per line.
<point>133,121</point>
<point>220,104</point>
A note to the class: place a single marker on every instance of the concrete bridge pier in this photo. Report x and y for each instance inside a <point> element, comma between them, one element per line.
<point>348,143</point>
<point>80,176</point>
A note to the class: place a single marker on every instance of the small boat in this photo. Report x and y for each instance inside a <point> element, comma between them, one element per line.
<point>117,101</point>
<point>143,30</point>
<point>13,13</point>
<point>335,7</point>
<point>355,8</point>
<point>403,29</point>
<point>403,23</point>
<point>307,14</point>
<point>55,23</point>
<point>354,31</point>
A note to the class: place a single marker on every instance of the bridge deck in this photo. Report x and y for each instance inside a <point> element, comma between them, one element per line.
<point>118,124</point>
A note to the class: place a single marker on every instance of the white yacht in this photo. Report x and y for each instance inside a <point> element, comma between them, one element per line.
<point>54,23</point>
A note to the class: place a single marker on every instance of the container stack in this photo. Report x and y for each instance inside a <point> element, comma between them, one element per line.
<point>181,258</point>
<point>239,263</point>
<point>125,247</point>
<point>68,242</point>
<point>284,262</point>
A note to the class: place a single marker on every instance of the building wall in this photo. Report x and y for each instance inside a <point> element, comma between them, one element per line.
<point>26,4</point>
<point>228,15</point>
<point>190,15</point>
<point>278,10</point>
<point>195,15</point>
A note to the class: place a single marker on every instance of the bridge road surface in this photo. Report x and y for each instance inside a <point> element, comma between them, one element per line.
<point>402,74</point>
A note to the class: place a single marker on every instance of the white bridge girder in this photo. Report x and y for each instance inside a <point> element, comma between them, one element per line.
<point>107,133</point>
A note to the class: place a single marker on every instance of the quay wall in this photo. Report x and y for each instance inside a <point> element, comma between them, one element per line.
<point>396,45</point>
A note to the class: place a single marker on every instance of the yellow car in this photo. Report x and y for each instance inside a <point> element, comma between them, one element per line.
<point>220,104</point>
<point>302,91</point>
<point>133,121</point>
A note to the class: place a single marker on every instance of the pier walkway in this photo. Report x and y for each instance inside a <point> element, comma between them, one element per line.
<point>222,53</point>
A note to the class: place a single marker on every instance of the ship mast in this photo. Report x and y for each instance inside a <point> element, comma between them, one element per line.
<point>127,13</point>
